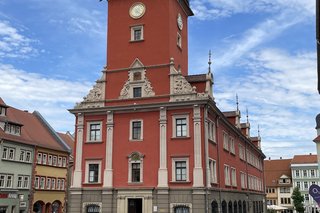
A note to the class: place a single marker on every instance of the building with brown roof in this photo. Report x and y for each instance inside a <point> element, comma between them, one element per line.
<point>33,163</point>
<point>279,183</point>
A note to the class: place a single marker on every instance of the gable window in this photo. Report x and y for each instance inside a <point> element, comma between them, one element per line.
<point>13,129</point>
<point>93,171</point>
<point>180,169</point>
<point>135,168</point>
<point>180,126</point>
<point>137,33</point>
<point>137,92</point>
<point>94,131</point>
<point>213,171</point>
<point>136,130</point>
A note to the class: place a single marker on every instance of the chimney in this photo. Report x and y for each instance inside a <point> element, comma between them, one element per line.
<point>269,158</point>
<point>280,158</point>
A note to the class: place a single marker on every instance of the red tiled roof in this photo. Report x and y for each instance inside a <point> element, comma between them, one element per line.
<point>301,159</point>
<point>33,131</point>
<point>231,113</point>
<point>2,103</point>
<point>68,139</point>
<point>317,139</point>
<point>274,169</point>
<point>196,78</point>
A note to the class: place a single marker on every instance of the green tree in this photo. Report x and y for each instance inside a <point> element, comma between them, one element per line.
<point>297,200</point>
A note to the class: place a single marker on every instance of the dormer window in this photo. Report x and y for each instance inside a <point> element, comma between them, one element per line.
<point>13,129</point>
<point>137,92</point>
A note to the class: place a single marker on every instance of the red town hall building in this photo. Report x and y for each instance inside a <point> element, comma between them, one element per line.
<point>149,137</point>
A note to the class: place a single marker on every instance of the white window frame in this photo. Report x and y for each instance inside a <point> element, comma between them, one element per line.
<point>213,170</point>
<point>131,130</point>
<point>44,158</point>
<point>63,183</point>
<point>22,155</point>
<point>174,125</point>
<point>53,184</point>
<point>132,161</point>
<point>50,160</point>
<point>9,181</point>
<point>26,182</point>
<point>5,152</point>
<point>231,145</point>
<point>37,182</point>
<point>225,141</point>
<point>89,123</point>
<point>48,183</point>
<point>54,160</point>
<point>60,161</point>
<point>64,162</point>
<point>39,158</point>
<point>173,166</point>
<point>233,176</point>
<point>58,184</point>
<point>42,183</point>
<point>28,156</point>
<point>212,131</point>
<point>133,29</point>
<point>88,162</point>
<point>20,181</point>
<point>11,154</point>
<point>243,177</point>
<point>227,175</point>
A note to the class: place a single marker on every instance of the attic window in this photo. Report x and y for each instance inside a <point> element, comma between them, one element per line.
<point>2,111</point>
<point>137,76</point>
<point>13,129</point>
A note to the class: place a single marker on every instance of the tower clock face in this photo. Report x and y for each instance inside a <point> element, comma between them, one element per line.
<point>180,22</point>
<point>137,10</point>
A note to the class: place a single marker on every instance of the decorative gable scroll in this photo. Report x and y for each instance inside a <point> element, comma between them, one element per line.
<point>136,79</point>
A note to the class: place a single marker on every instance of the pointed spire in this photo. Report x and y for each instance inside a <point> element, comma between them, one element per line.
<point>258,130</point>
<point>247,115</point>
<point>209,62</point>
<point>237,101</point>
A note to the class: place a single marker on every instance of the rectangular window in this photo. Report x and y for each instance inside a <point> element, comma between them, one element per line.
<point>48,183</point>
<point>136,130</point>
<point>181,170</point>
<point>64,162</point>
<point>181,127</point>
<point>62,184</point>
<point>306,197</point>
<point>297,173</point>
<point>25,182</point>
<point>135,172</point>
<point>28,156</point>
<point>5,152</point>
<point>9,181</point>
<point>243,178</point>
<point>312,172</point>
<point>137,92</point>
<point>54,161</point>
<point>94,131</point>
<point>20,178</point>
<point>227,175</point>
<point>39,159</point>
<point>11,154</point>
<point>231,145</point>
<point>305,174</point>
<point>136,33</point>
<point>305,185</point>
<point>42,182</point>
<point>53,183</point>
<point>93,173</point>
<point>2,180</point>
<point>22,154</point>
<point>50,160</point>
<point>213,171</point>
<point>36,182</point>
<point>233,177</point>
<point>298,185</point>
<point>211,131</point>
<point>59,161</point>
<point>58,184</point>
<point>225,141</point>
<point>44,158</point>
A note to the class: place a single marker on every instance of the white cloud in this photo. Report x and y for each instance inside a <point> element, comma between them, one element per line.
<point>13,44</point>
<point>51,97</point>
<point>280,92</point>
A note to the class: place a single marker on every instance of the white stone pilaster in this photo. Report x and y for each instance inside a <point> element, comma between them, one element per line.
<point>197,170</point>
<point>108,171</point>
<point>206,143</point>
<point>77,175</point>
<point>163,170</point>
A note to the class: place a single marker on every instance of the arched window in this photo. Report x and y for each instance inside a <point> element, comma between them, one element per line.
<point>235,207</point>
<point>214,206</point>
<point>135,173</point>
<point>93,208</point>
<point>240,206</point>
<point>38,206</point>
<point>181,209</point>
<point>224,206</point>
<point>230,207</point>
<point>56,207</point>
<point>244,207</point>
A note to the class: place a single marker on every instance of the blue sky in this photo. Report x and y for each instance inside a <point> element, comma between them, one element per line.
<point>52,52</point>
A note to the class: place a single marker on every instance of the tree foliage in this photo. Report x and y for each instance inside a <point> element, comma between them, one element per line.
<point>297,200</point>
